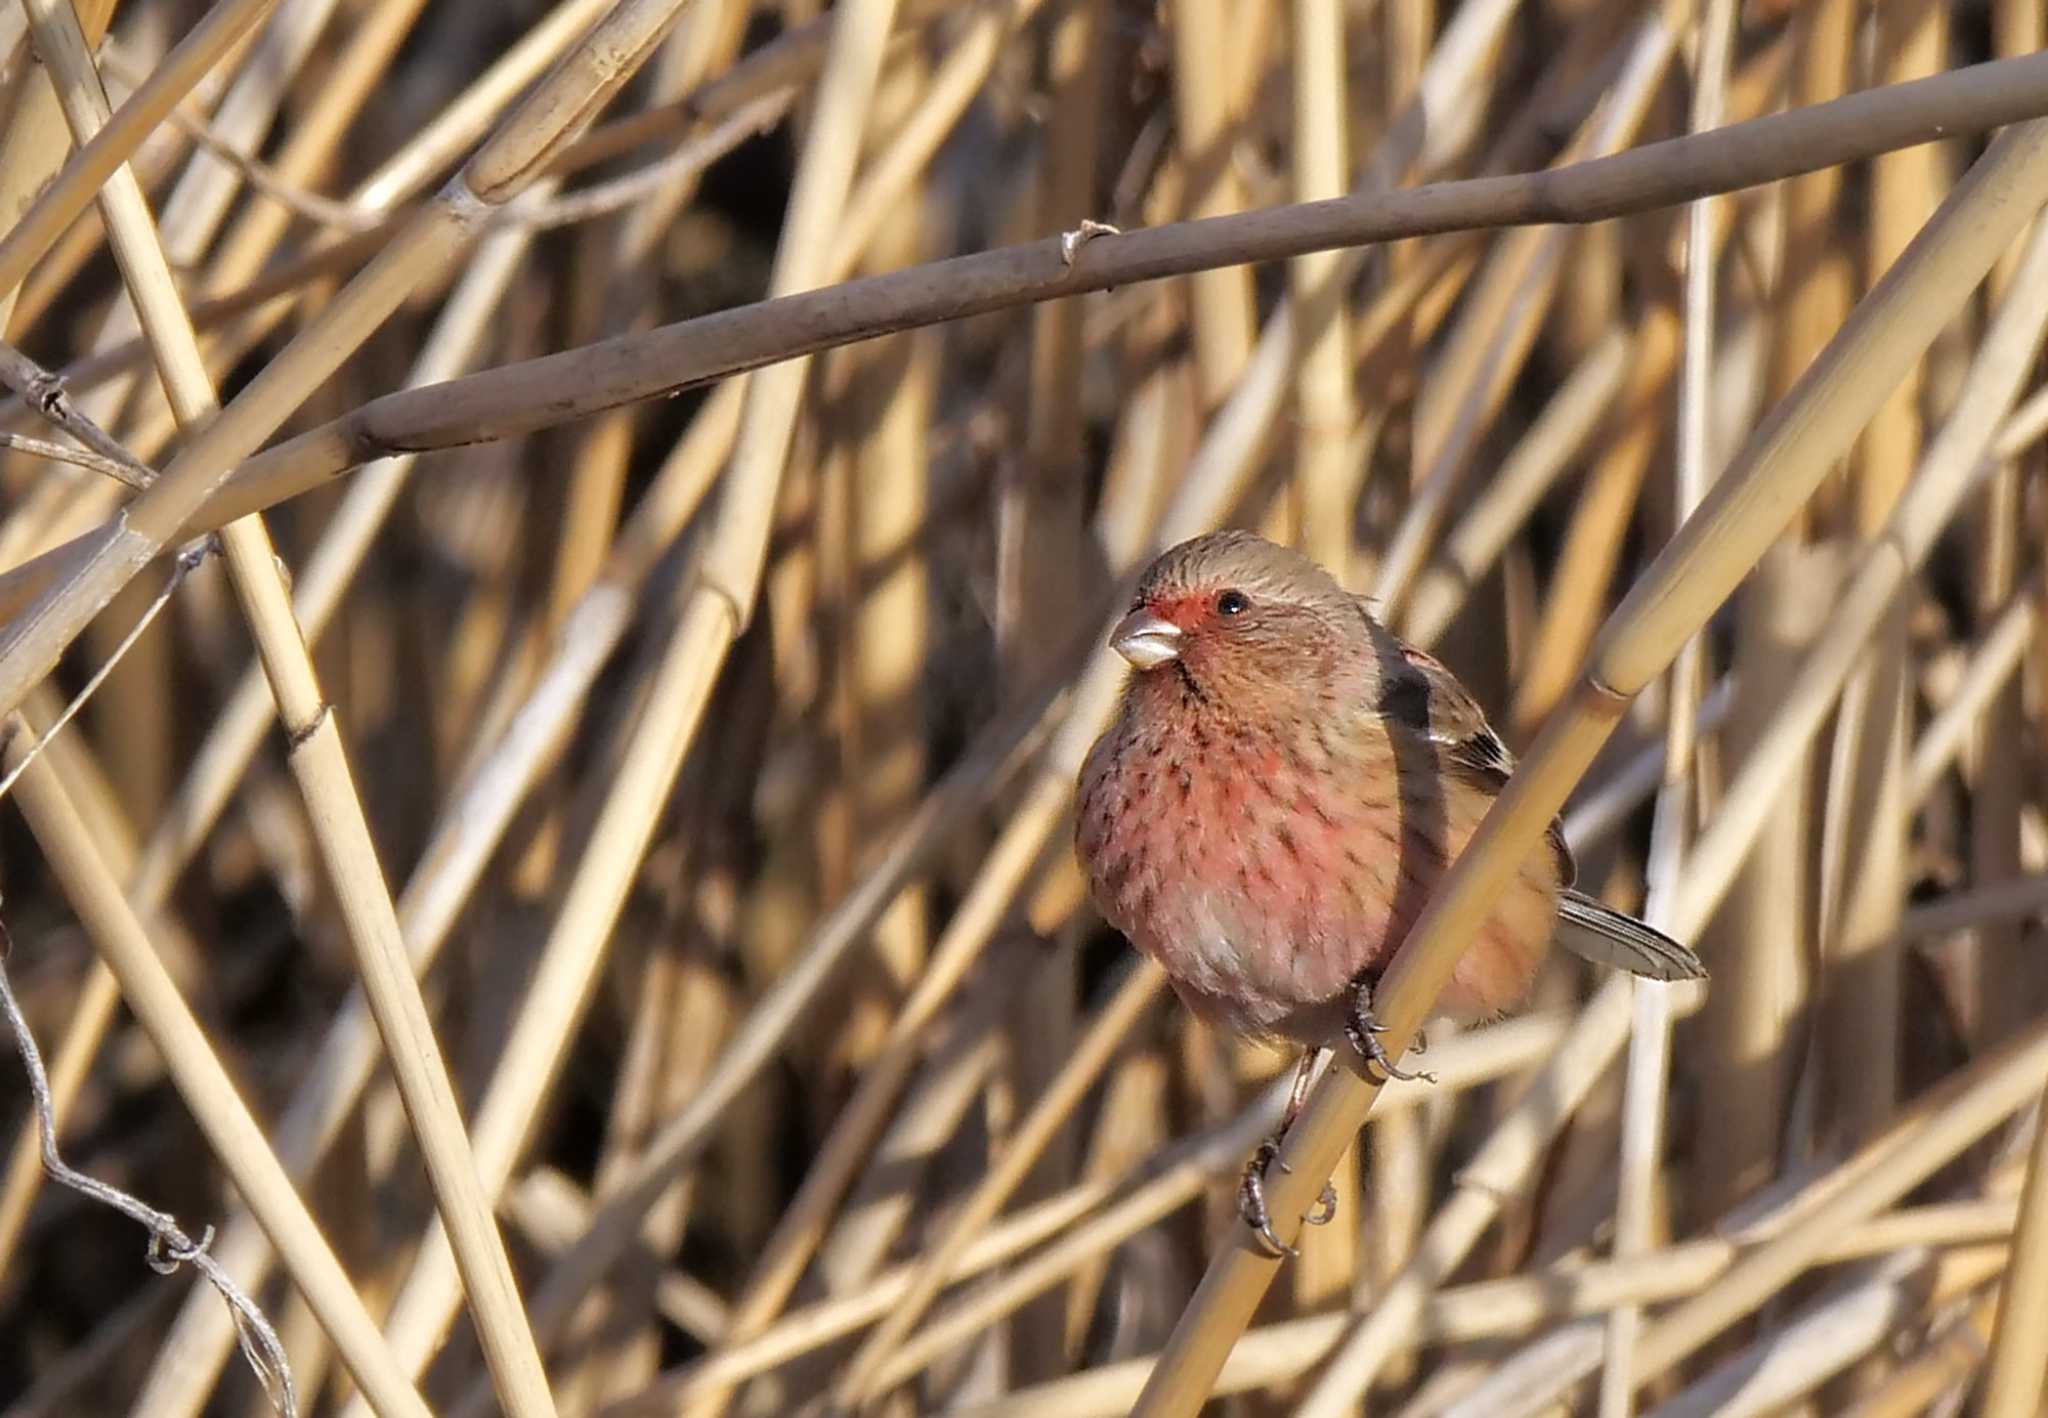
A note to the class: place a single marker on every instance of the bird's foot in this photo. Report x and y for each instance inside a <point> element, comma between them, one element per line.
<point>1363,1029</point>
<point>1251,1197</point>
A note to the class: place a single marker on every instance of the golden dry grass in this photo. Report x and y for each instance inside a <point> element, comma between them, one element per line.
<point>574,884</point>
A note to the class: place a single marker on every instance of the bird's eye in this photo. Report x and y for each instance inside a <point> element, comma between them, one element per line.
<point>1232,603</point>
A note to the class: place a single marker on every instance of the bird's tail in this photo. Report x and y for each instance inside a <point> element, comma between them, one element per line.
<point>1605,936</point>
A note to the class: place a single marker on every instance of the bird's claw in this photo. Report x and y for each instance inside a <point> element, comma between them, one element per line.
<point>1363,1029</point>
<point>1251,1199</point>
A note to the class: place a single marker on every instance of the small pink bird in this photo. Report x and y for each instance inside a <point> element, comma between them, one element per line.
<point>1284,785</point>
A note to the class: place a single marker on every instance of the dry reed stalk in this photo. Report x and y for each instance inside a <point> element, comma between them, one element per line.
<point>100,994</point>
<point>885,1205</point>
<point>236,1137</point>
<point>1086,1221</point>
<point>984,767</point>
<point>883,497</point>
<point>1810,1346</point>
<point>1495,1309</point>
<point>1948,468</point>
<point>550,115</point>
<point>888,172</point>
<point>1927,1133</point>
<point>2004,978</point>
<point>246,245</point>
<point>857,1386</point>
<point>317,585</point>
<point>683,1029</point>
<point>1206,137</point>
<point>552,1209</point>
<point>1863,884</point>
<point>1638,1213</point>
<point>546,391</point>
<point>497,780</point>
<point>1762,939</point>
<point>709,619</point>
<point>1861,992</point>
<point>1217,1156</point>
<point>1818,282</point>
<point>1128,1130</point>
<point>169,81</point>
<point>1039,530</point>
<point>1327,474</point>
<point>1911,40</point>
<point>1535,1380</point>
<point>1040,595</point>
<point>472,113</point>
<point>1474,374</point>
<point>1553,439</point>
<point>1576,600</point>
<point>318,760</point>
<point>1498,1172</point>
<point>250,241</point>
<point>34,146</point>
<point>1941,1368</point>
<point>2018,1368</point>
<point>1992,665</point>
<point>231,743</point>
<point>31,150</point>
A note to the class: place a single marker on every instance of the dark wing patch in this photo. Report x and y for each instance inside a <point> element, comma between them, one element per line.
<point>1427,696</point>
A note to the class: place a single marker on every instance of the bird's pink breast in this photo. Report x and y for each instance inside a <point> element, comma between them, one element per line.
<point>1236,865</point>
<point>1265,874</point>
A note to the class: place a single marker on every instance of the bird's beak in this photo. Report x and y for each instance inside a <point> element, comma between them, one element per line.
<point>1147,639</point>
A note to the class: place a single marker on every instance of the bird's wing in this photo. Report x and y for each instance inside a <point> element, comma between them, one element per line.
<point>1597,932</point>
<point>1427,696</point>
<point>1430,698</point>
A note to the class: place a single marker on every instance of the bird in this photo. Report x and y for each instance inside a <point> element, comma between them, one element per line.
<point>1283,785</point>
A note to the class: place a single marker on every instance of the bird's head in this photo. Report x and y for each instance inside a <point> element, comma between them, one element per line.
<point>1232,612</point>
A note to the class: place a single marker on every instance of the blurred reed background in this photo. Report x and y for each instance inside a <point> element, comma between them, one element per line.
<point>717,749</point>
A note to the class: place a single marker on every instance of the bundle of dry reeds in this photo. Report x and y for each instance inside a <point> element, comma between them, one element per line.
<point>577,541</point>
